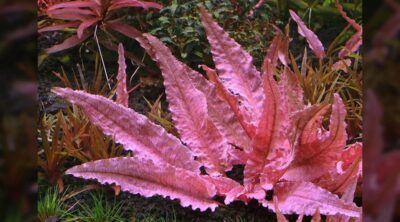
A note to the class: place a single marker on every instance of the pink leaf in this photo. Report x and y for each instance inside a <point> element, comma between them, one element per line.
<point>122,92</point>
<point>337,136</point>
<point>313,41</point>
<point>275,51</point>
<point>74,4</point>
<point>133,130</point>
<point>255,7</point>
<point>305,197</point>
<point>144,177</point>
<point>57,27</point>
<point>223,117</point>
<point>272,151</point>
<point>352,45</point>
<point>306,121</point>
<point>231,100</point>
<point>312,131</point>
<point>347,197</point>
<point>348,171</point>
<point>130,32</point>
<point>126,30</point>
<point>84,25</point>
<point>189,110</point>
<point>319,150</point>
<point>351,154</point>
<point>73,14</point>
<point>236,193</point>
<point>116,4</point>
<point>68,43</point>
<point>235,68</point>
<point>290,85</point>
<point>223,184</point>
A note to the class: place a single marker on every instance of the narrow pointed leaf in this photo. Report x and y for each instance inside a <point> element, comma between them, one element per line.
<point>313,41</point>
<point>84,25</point>
<point>74,4</point>
<point>122,92</point>
<point>189,110</point>
<point>126,30</point>
<point>275,52</point>
<point>133,130</point>
<point>68,43</point>
<point>71,14</point>
<point>144,177</point>
<point>235,67</point>
<point>337,136</point>
<point>132,33</point>
<point>117,4</point>
<point>57,27</point>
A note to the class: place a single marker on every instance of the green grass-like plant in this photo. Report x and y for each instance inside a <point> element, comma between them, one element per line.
<point>51,205</point>
<point>100,210</point>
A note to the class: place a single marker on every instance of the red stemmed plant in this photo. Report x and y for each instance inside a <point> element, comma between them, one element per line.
<point>86,15</point>
<point>236,116</point>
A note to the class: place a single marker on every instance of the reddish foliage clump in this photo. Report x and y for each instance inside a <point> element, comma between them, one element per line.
<point>238,116</point>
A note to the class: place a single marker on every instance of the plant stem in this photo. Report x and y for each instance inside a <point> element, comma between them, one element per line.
<point>101,57</point>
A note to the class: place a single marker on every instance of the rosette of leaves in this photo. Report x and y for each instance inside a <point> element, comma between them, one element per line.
<point>85,16</point>
<point>238,116</point>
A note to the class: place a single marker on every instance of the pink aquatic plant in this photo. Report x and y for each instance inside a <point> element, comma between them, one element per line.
<point>312,39</point>
<point>352,45</point>
<point>236,116</point>
<point>85,16</point>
